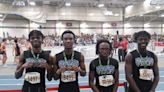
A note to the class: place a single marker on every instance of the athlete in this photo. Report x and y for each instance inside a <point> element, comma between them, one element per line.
<point>3,52</point>
<point>104,69</point>
<point>141,66</point>
<point>69,63</point>
<point>35,62</point>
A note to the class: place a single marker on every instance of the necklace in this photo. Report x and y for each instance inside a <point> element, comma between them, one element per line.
<point>34,56</point>
<point>143,59</point>
<point>108,62</point>
<point>65,58</point>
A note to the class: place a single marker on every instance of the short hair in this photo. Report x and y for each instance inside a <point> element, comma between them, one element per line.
<point>142,33</point>
<point>67,31</point>
<point>120,39</point>
<point>35,32</point>
<point>134,37</point>
<point>101,41</point>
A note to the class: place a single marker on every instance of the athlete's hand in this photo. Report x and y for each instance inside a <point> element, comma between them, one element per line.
<point>61,70</point>
<point>68,68</point>
<point>75,68</point>
<point>28,65</point>
<point>44,65</point>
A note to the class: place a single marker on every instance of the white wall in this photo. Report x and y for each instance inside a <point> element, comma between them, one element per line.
<point>154,27</point>
<point>132,27</point>
<point>14,28</point>
<point>48,28</point>
<point>91,27</point>
<point>45,12</point>
<point>81,13</point>
<point>21,27</point>
<point>109,29</point>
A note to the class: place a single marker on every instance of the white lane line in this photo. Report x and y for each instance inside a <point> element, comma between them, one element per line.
<point>56,82</point>
<point>23,79</point>
<point>46,84</point>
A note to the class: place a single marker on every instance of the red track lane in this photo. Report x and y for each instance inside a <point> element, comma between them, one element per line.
<point>55,88</point>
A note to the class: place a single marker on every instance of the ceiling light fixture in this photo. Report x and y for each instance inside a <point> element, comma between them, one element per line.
<point>127,25</point>
<point>108,13</point>
<point>19,3</point>
<point>32,3</point>
<point>91,14</point>
<point>162,15</point>
<point>147,25</point>
<point>101,5</point>
<point>141,15</point>
<point>1,15</point>
<point>67,4</point>
<point>83,25</point>
<point>128,8</point>
<point>157,7</point>
<point>63,13</point>
<point>116,14</point>
<point>106,25</point>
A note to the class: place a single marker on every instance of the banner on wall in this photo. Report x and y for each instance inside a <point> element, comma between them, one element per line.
<point>158,43</point>
<point>114,24</point>
<point>68,24</point>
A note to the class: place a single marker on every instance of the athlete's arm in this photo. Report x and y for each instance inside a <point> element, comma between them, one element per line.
<point>49,69</point>
<point>56,72</point>
<point>82,69</point>
<point>20,68</point>
<point>91,82</point>
<point>128,73</point>
<point>116,75</point>
<point>156,74</point>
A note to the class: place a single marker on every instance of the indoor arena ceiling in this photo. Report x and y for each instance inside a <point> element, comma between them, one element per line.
<point>157,16</point>
<point>154,16</point>
<point>81,3</point>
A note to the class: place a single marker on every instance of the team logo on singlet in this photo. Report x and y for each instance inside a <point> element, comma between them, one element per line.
<point>34,60</point>
<point>145,73</point>
<point>68,76</point>
<point>148,61</point>
<point>107,69</point>
<point>68,63</point>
